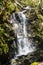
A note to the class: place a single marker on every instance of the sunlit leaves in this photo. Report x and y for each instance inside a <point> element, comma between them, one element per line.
<point>40,17</point>
<point>10,5</point>
<point>34,63</point>
<point>5,37</point>
<point>32,3</point>
<point>6,8</point>
<point>3,48</point>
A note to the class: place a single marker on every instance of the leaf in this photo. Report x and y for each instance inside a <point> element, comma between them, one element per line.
<point>34,63</point>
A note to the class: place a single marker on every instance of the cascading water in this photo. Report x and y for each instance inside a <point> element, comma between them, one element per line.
<point>24,44</point>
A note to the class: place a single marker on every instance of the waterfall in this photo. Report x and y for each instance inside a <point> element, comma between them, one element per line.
<point>24,44</point>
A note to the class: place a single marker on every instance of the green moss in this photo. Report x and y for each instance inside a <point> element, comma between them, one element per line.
<point>34,63</point>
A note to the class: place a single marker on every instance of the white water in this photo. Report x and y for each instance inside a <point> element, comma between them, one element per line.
<point>24,44</point>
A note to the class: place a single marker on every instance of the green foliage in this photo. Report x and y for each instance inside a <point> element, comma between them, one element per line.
<point>5,37</point>
<point>40,17</point>
<point>34,63</point>
<point>3,48</point>
<point>3,45</point>
<point>36,15</point>
<point>6,7</point>
<point>38,28</point>
<point>32,3</point>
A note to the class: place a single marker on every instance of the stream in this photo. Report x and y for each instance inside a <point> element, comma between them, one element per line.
<point>18,21</point>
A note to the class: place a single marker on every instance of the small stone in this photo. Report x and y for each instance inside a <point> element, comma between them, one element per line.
<point>13,62</point>
<point>40,63</point>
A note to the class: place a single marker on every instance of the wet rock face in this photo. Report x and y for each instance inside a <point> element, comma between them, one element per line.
<point>17,17</point>
<point>11,33</point>
<point>26,62</point>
